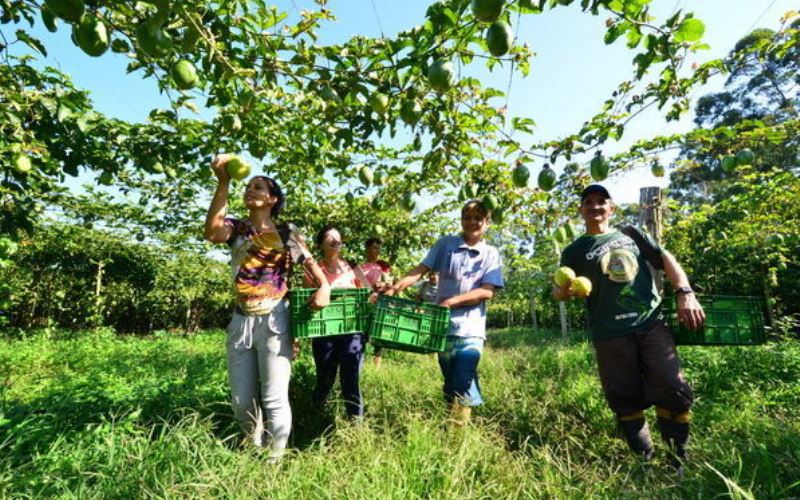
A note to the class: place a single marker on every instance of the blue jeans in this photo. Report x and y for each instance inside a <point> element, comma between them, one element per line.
<point>345,354</point>
<point>459,364</point>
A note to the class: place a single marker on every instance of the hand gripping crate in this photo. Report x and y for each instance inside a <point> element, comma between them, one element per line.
<point>408,325</point>
<point>348,312</point>
<point>730,320</point>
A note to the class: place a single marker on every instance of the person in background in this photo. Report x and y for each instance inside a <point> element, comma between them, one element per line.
<point>636,356</point>
<point>374,267</point>
<point>378,274</point>
<point>259,344</point>
<point>470,272</point>
<point>429,289</point>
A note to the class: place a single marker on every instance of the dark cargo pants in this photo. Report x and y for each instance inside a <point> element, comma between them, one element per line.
<point>642,369</point>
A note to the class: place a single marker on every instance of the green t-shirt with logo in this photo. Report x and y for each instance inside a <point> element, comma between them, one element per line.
<point>624,296</point>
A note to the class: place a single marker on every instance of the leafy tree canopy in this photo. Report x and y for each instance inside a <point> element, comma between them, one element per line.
<point>314,113</point>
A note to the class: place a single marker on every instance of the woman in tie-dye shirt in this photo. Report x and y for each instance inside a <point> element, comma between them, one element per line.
<point>259,344</point>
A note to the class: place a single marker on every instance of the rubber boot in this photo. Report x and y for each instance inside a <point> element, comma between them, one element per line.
<point>460,415</point>
<point>674,430</point>
<point>637,434</point>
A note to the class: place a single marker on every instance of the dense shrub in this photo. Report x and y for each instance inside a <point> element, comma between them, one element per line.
<point>77,277</point>
<point>748,243</point>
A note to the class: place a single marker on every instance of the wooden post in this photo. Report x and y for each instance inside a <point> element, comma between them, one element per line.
<point>534,322</point>
<point>651,219</point>
<point>562,313</point>
<point>98,290</point>
<point>188,317</point>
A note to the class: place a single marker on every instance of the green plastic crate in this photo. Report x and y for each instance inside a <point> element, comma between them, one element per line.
<point>407,325</point>
<point>730,320</point>
<point>348,312</point>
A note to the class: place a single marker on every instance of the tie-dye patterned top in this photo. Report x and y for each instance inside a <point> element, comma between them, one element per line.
<point>260,265</point>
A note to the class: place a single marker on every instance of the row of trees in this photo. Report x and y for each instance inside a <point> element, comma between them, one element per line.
<point>74,277</point>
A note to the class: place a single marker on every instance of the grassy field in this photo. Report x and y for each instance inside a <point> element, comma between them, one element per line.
<point>96,415</point>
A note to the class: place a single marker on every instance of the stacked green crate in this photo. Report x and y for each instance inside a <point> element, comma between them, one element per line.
<point>730,320</point>
<point>348,312</point>
<point>407,325</point>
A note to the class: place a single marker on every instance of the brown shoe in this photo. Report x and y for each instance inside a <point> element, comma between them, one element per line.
<point>460,415</point>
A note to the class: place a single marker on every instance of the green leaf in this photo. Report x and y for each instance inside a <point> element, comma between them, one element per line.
<point>617,5</point>
<point>63,113</point>
<point>523,124</point>
<point>616,31</point>
<point>451,15</point>
<point>524,67</point>
<point>510,147</point>
<point>31,42</point>
<point>690,30</point>
<point>83,123</point>
<point>634,37</point>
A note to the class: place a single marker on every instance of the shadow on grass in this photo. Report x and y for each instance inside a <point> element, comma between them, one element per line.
<point>170,387</point>
<point>69,402</point>
<point>745,421</point>
<point>309,422</point>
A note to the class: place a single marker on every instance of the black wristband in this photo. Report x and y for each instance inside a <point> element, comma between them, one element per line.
<point>683,290</point>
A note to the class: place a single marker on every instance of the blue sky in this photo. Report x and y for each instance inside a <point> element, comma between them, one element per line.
<point>572,74</point>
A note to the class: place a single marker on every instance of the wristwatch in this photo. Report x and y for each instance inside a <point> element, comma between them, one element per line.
<point>683,290</point>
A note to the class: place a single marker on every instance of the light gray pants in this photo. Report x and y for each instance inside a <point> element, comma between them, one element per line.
<point>259,350</point>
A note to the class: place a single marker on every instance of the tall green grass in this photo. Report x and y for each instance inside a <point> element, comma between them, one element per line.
<point>94,415</point>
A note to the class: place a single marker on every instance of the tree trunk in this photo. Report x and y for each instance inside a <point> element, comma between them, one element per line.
<point>98,289</point>
<point>188,320</point>
<point>534,321</point>
<point>98,281</point>
<point>562,312</point>
<point>651,219</point>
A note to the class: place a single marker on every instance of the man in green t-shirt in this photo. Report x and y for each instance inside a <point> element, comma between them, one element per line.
<point>636,357</point>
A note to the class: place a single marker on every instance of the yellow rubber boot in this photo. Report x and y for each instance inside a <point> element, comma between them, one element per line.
<point>460,414</point>
<point>674,429</point>
<point>637,434</point>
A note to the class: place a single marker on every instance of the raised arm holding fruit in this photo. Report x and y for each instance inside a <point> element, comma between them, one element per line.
<point>259,344</point>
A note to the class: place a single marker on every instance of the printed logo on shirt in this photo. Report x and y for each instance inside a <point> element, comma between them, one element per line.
<point>620,265</point>
<point>623,242</point>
